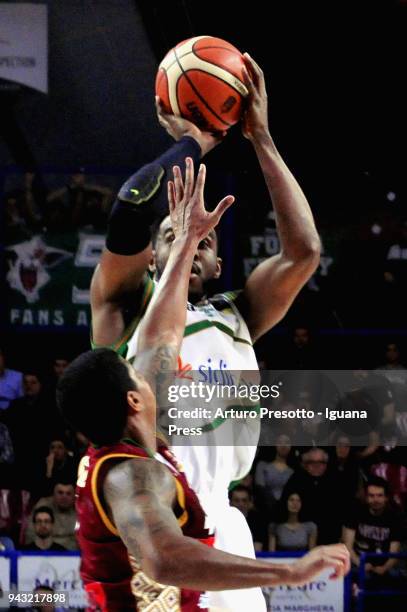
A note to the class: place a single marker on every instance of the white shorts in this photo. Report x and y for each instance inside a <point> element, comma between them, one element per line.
<point>233,536</point>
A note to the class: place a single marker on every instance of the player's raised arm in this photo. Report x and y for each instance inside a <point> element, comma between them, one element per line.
<point>140,495</point>
<point>273,285</point>
<point>140,201</point>
<point>162,327</point>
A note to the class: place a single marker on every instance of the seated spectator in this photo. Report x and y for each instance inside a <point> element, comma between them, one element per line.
<point>374,527</point>
<point>345,470</point>
<point>60,465</point>
<point>319,494</point>
<point>291,532</point>
<point>241,498</point>
<point>272,473</point>
<point>62,504</point>
<point>43,522</point>
<point>11,383</point>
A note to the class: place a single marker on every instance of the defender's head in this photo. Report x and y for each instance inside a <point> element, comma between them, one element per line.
<point>101,396</point>
<point>207,266</point>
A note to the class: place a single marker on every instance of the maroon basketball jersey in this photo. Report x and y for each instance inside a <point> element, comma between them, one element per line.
<point>112,578</point>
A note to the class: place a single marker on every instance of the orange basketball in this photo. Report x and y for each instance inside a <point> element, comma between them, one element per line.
<point>201,79</point>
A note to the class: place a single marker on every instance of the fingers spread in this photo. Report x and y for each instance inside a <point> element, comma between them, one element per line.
<point>171,196</point>
<point>222,207</point>
<point>178,185</point>
<point>189,178</point>
<point>200,182</point>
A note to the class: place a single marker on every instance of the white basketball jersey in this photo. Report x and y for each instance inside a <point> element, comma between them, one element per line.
<point>216,339</point>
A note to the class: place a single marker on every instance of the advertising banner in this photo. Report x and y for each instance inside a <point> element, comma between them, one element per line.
<point>48,278</point>
<point>24,44</point>
<point>319,595</point>
<point>59,572</point>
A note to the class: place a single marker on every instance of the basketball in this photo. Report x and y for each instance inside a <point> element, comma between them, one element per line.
<point>201,79</point>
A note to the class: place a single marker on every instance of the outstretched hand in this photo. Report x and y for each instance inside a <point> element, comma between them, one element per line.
<point>186,202</point>
<point>255,117</point>
<point>334,557</point>
<point>177,127</point>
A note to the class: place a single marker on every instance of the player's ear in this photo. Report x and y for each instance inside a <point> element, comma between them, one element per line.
<point>218,271</point>
<point>151,266</point>
<point>134,401</point>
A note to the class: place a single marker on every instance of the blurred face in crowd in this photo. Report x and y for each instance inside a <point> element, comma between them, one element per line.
<point>242,501</point>
<point>392,353</point>
<point>32,385</point>
<point>315,463</point>
<point>206,265</point>
<point>60,366</point>
<point>376,499</point>
<point>283,447</point>
<point>294,503</point>
<point>43,525</point>
<point>64,496</point>
<point>58,448</point>
<point>301,337</point>
<point>343,447</point>
<point>78,179</point>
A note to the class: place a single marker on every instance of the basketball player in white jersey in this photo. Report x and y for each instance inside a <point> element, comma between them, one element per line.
<point>220,330</point>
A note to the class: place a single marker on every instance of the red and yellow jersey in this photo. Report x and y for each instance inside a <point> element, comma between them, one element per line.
<point>113,579</point>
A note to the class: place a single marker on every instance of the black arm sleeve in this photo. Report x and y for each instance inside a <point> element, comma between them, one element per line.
<point>143,199</point>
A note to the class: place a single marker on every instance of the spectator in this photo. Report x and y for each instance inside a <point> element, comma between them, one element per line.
<point>301,352</point>
<point>78,204</point>
<point>59,366</point>
<point>393,369</point>
<point>374,527</point>
<point>60,465</point>
<point>319,495</point>
<point>272,474</point>
<point>43,522</point>
<point>241,498</point>
<point>291,532</point>
<point>62,504</point>
<point>11,383</point>
<point>345,470</point>
<point>30,419</point>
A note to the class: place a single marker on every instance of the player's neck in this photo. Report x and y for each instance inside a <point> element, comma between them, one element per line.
<point>145,440</point>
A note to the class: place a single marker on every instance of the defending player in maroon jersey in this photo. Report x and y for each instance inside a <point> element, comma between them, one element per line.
<point>140,525</point>
<point>120,580</point>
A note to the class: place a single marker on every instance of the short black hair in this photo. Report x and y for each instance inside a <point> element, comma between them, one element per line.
<point>92,395</point>
<point>377,481</point>
<point>242,489</point>
<point>45,509</point>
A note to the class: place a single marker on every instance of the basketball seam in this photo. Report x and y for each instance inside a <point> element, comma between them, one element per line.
<point>197,92</point>
<point>204,60</point>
